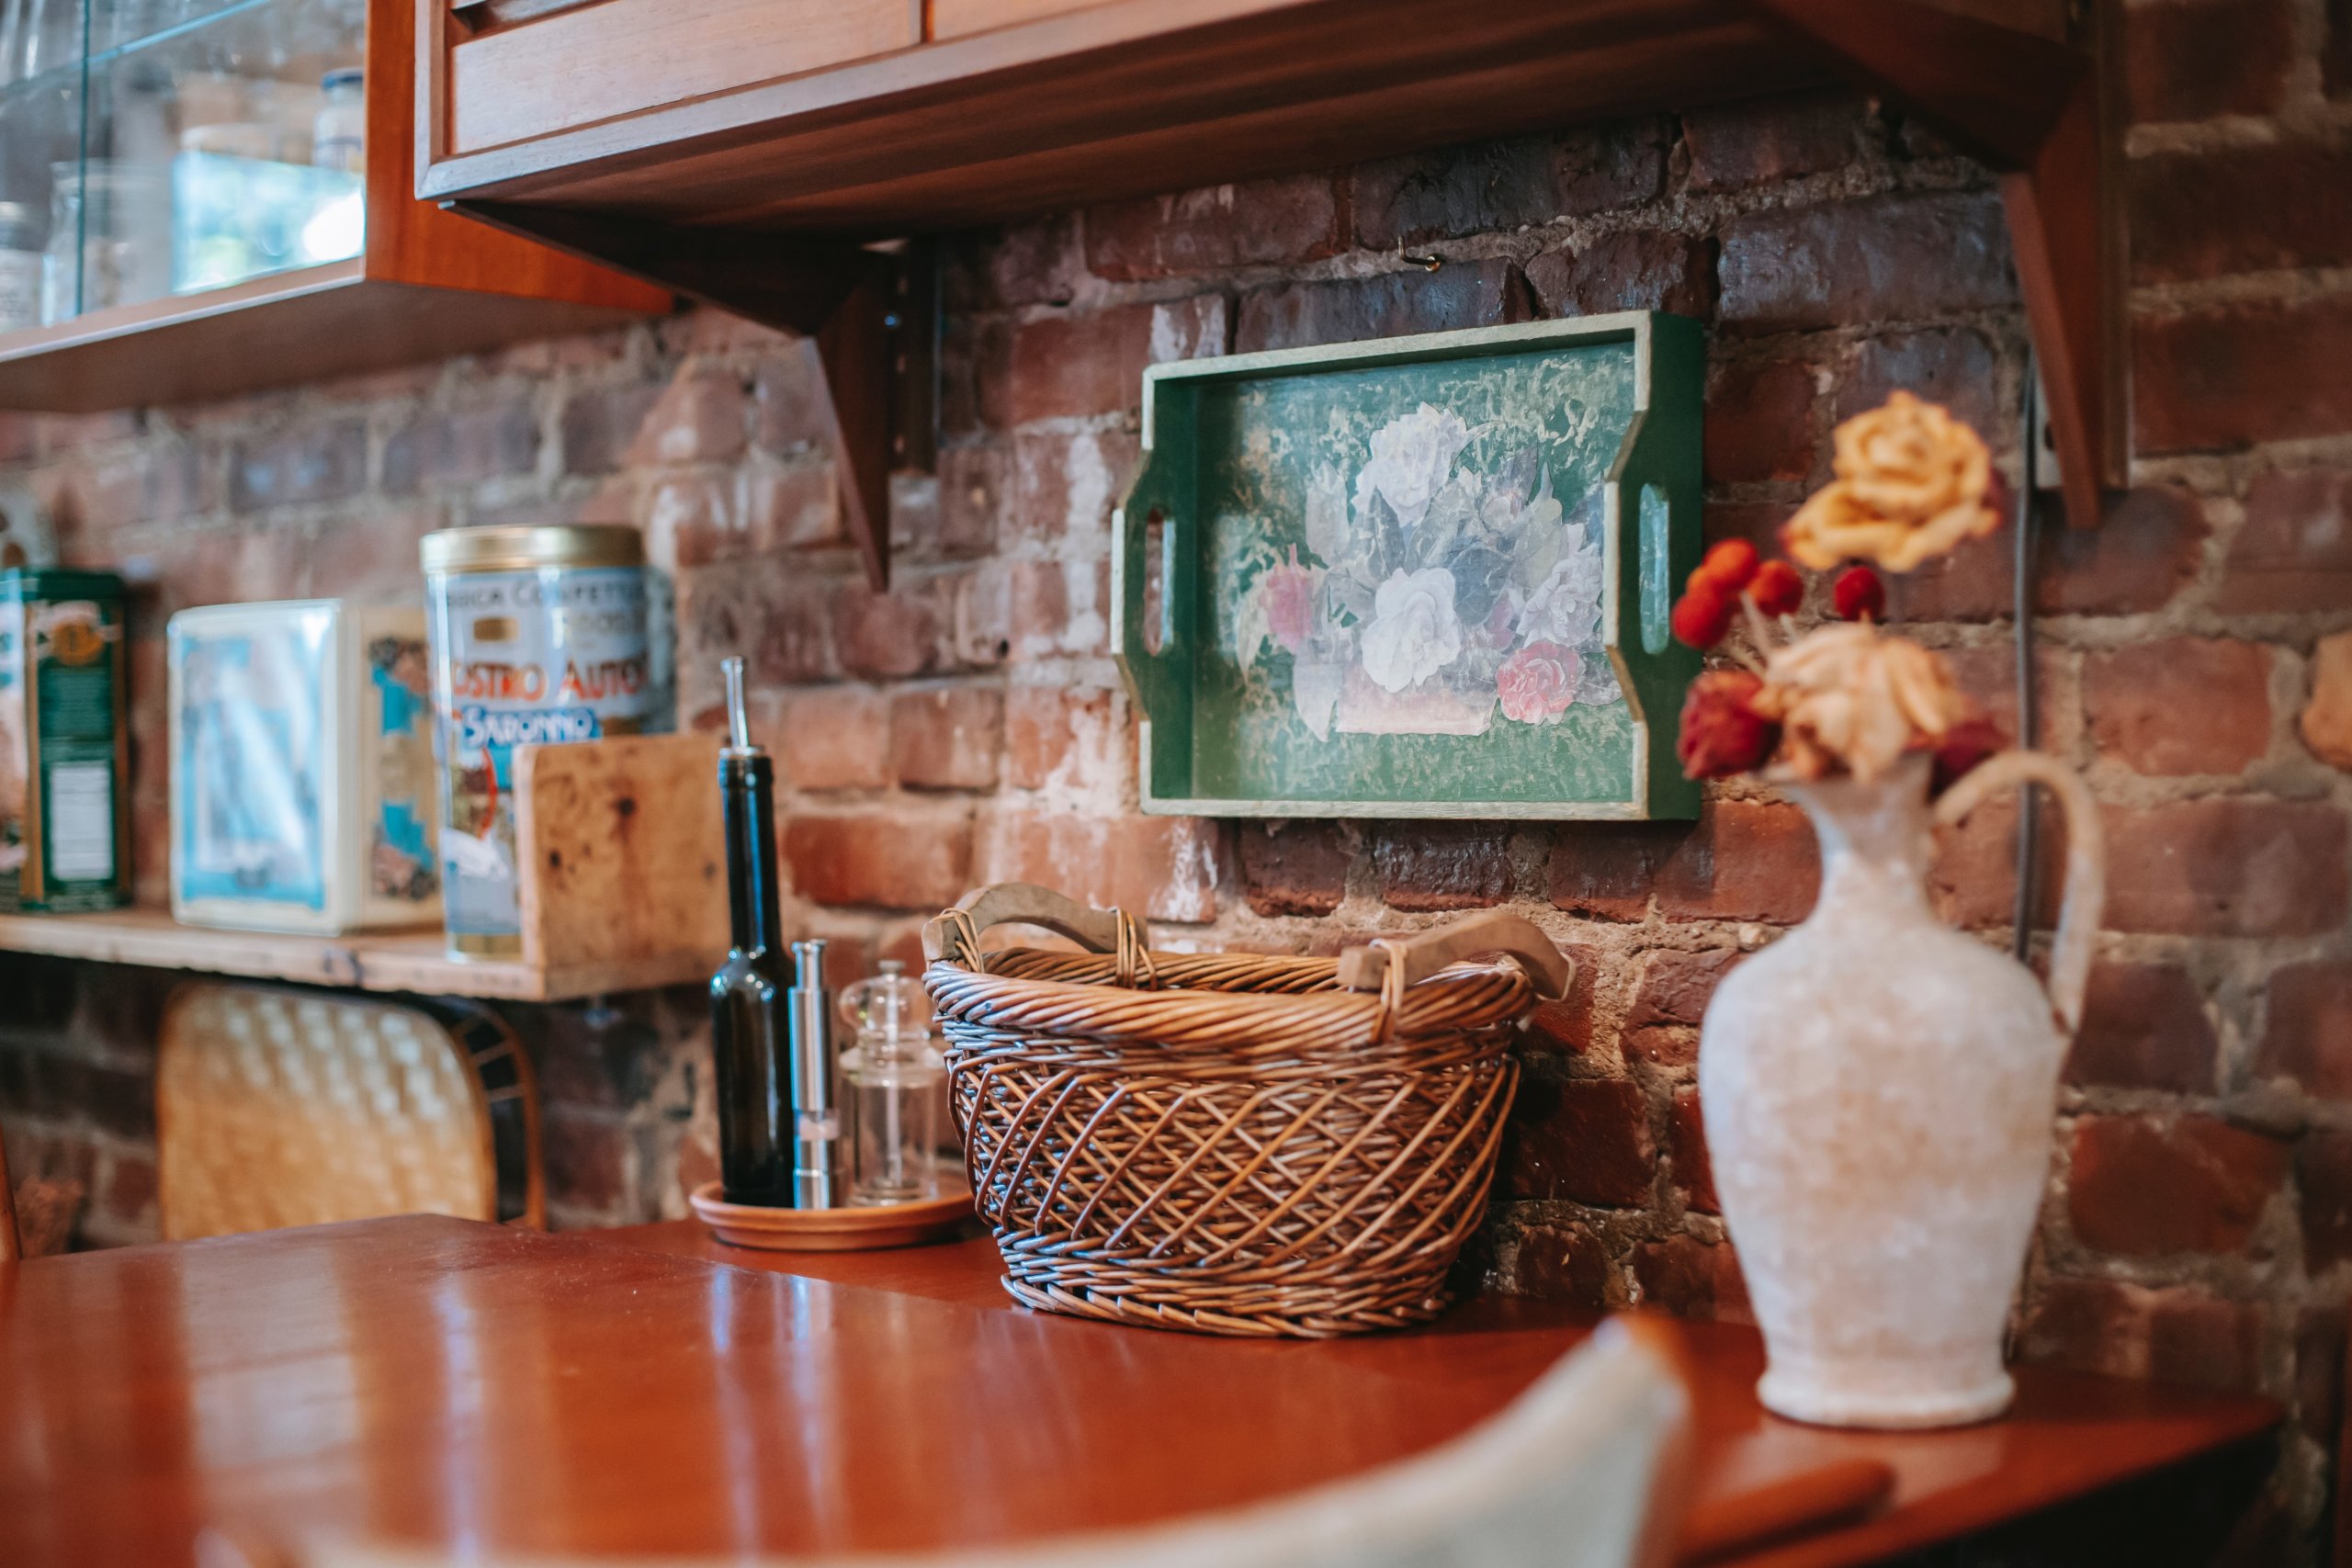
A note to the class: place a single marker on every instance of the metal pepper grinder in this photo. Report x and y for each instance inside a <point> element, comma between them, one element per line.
<point>819,1163</point>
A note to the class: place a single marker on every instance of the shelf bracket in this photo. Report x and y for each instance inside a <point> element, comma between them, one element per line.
<point>873,310</point>
<point>2040,113</point>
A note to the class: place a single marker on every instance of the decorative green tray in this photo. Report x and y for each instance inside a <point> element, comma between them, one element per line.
<point>1417,577</point>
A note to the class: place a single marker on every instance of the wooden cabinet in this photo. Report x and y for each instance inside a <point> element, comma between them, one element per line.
<point>741,155</point>
<point>186,285</point>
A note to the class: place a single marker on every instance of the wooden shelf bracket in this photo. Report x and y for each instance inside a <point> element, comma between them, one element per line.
<point>872,309</point>
<point>1991,75</point>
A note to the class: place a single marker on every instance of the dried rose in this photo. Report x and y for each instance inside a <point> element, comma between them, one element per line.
<point>1851,700</point>
<point>1913,482</point>
<point>1965,744</point>
<point>1729,565</point>
<point>1701,617</point>
<point>1722,733</point>
<point>1539,681</point>
<point>1859,595</point>
<point>1776,588</point>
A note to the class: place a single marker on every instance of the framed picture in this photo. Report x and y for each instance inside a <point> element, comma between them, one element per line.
<point>1417,577</point>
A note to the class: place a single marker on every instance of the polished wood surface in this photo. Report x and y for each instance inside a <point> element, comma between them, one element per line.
<point>11,1246</point>
<point>442,1382</point>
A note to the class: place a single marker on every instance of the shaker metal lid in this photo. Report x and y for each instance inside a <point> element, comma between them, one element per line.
<point>519,549</point>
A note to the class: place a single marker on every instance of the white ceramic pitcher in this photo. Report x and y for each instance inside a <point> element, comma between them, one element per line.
<point>1879,1091</point>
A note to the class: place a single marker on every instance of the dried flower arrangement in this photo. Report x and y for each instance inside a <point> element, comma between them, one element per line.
<point>1912,484</point>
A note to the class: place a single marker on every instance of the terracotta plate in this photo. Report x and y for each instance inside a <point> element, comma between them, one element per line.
<point>830,1230</point>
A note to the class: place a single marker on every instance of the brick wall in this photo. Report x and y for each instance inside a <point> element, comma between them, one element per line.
<point>969,725</point>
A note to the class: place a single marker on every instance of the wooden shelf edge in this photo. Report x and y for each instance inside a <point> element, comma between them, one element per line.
<point>389,960</point>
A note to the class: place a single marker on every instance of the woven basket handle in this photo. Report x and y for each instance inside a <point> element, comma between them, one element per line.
<point>1019,903</point>
<point>1490,930</point>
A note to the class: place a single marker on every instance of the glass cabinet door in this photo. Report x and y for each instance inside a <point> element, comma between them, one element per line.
<point>41,52</point>
<point>185,145</point>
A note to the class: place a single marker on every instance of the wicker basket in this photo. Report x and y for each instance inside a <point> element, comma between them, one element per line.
<point>1224,1143</point>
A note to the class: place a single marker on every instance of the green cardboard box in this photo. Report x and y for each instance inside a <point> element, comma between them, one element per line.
<point>64,750</point>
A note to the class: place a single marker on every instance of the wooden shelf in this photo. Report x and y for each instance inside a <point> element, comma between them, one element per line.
<point>724,160</point>
<point>389,961</point>
<point>426,286</point>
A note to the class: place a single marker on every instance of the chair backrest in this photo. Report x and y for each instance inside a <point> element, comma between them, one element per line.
<point>1589,1468</point>
<point>276,1106</point>
<point>10,1247</point>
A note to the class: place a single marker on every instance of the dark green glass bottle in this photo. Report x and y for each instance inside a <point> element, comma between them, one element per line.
<point>748,1036</point>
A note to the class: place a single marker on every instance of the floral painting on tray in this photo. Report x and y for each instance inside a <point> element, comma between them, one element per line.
<point>1445,589</point>
<point>1406,579</point>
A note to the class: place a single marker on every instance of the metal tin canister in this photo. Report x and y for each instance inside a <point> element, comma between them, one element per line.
<point>537,635</point>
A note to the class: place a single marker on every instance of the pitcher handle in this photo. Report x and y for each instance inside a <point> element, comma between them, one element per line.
<point>2078,912</point>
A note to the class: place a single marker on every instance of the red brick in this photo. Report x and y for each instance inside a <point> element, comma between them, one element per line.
<point>1059,736</point>
<point>975,374</point>
<point>1441,865</point>
<point>374,561</point>
<point>897,859</point>
<point>146,485</point>
<point>949,738</point>
<point>2180,705</point>
<point>1748,861</point>
<point>1275,222</point>
<point>464,448</point>
<point>1294,868</point>
<point>792,407</point>
<point>973,485</point>
<point>1028,264</point>
<point>795,509</point>
<point>2145,1186</point>
<point>701,417</point>
<point>691,520</point>
<point>2318,1371</point>
<point>600,425</point>
<point>832,737</point>
<point>130,1188</point>
<point>2295,551</point>
<point>1987,672</point>
<point>2144,552</point>
<point>1600,167</point>
<point>2308,1037</point>
<point>1065,485</point>
<point>1896,257</point>
<point>1451,191</point>
<point>1608,871</point>
<point>1566,1025</point>
<point>2324,1186</point>
<point>2143,1027</point>
<point>1629,270</point>
<point>2336,50</point>
<point>890,634</point>
<point>2229,376</point>
<point>1690,1278</point>
<point>1077,364</point>
<point>1662,1025</point>
<point>305,464</point>
<point>1587,1140</point>
<point>1567,1264</point>
<point>1694,1176</point>
<point>1952,366</point>
<point>1160,867</point>
<point>2173,1335</point>
<point>2226,867</point>
<point>2198,58</point>
<point>1465,294</point>
<point>2270,206</point>
<point>1779,139</point>
<point>1760,423</point>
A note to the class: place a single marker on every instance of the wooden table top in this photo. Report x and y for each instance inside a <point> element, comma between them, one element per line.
<point>429,1380</point>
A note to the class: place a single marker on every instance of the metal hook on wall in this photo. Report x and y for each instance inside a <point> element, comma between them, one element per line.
<point>1427,264</point>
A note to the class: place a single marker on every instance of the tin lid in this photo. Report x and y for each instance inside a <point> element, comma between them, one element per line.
<point>514,549</point>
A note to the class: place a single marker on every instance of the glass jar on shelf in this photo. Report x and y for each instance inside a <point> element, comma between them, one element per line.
<point>895,1080</point>
<point>109,237</point>
<point>21,264</point>
<point>339,140</point>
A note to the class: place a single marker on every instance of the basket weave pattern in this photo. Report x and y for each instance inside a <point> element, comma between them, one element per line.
<point>1228,1144</point>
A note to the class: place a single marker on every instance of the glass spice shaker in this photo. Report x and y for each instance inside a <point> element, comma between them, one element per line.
<point>894,1075</point>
